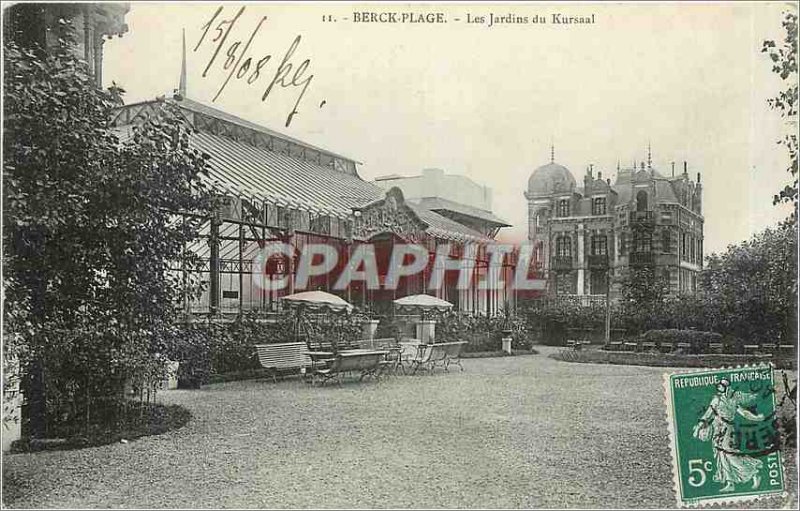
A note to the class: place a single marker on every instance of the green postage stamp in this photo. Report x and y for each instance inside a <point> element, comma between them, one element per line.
<point>724,436</point>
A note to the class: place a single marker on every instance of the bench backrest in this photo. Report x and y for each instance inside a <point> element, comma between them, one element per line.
<point>284,355</point>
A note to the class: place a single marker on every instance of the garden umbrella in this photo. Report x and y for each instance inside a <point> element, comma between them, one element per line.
<point>422,303</point>
<point>317,300</point>
<point>314,301</point>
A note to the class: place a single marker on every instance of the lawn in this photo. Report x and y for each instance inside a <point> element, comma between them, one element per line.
<point>509,432</point>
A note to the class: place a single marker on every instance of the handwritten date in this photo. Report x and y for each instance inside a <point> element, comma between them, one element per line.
<point>241,65</point>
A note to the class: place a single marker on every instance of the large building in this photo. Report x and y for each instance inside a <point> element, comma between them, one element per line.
<point>582,235</point>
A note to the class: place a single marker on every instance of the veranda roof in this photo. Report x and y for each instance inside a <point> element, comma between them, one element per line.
<point>245,170</point>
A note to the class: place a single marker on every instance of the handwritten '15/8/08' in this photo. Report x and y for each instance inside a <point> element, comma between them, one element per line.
<point>242,65</point>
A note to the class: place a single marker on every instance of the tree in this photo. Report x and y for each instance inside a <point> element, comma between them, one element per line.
<point>784,63</point>
<point>642,293</point>
<point>750,291</point>
<point>90,232</point>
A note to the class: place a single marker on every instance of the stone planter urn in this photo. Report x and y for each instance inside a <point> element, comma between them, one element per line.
<point>507,344</point>
<point>368,328</point>
<point>426,331</point>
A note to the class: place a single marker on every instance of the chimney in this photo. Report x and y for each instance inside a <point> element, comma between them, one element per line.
<point>685,168</point>
<point>608,181</point>
<point>673,169</point>
<point>600,175</point>
<point>698,178</point>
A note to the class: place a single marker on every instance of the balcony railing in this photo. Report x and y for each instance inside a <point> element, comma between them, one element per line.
<point>598,262</point>
<point>641,259</point>
<point>642,219</point>
<point>562,263</point>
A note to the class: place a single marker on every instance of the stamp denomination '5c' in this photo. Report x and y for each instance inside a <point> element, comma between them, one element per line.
<point>725,441</point>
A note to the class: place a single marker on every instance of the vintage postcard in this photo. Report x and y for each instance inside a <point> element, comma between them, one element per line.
<point>399,255</point>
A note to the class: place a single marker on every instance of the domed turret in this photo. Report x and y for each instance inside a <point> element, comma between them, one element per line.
<point>550,178</point>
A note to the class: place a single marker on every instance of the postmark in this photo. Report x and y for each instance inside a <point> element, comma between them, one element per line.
<point>724,436</point>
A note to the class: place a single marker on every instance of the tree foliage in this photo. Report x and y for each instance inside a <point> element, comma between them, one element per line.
<point>784,64</point>
<point>751,289</point>
<point>90,230</point>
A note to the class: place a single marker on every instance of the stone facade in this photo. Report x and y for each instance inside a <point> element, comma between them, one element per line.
<point>583,236</point>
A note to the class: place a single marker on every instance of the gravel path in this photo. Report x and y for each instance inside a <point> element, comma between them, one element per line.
<point>507,433</point>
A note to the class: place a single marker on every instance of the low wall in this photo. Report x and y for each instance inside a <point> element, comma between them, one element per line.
<point>667,359</point>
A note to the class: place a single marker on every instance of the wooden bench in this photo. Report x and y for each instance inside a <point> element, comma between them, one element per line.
<point>366,362</point>
<point>648,345</point>
<point>428,355</point>
<point>665,347</point>
<point>685,346</point>
<point>614,346</point>
<point>284,357</point>
<point>571,343</point>
<point>715,347</point>
<point>432,355</point>
<point>630,346</point>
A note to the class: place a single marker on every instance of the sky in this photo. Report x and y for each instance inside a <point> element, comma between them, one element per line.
<point>488,101</point>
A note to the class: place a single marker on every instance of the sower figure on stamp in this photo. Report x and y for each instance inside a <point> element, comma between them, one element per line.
<point>717,424</point>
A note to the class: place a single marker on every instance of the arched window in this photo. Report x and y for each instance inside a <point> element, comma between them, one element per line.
<point>666,240</point>
<point>563,246</point>
<point>563,207</point>
<point>641,201</point>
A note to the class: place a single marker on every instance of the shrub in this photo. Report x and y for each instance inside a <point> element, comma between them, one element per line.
<point>206,348</point>
<point>483,333</point>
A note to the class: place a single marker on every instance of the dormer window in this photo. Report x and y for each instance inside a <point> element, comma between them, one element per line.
<point>563,208</point>
<point>599,206</point>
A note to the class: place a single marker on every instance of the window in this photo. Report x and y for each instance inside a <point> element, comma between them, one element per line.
<point>642,242</point>
<point>599,206</point>
<point>666,240</point>
<point>641,201</point>
<point>599,245</point>
<point>563,246</point>
<point>700,251</point>
<point>563,207</point>
<point>691,247</point>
